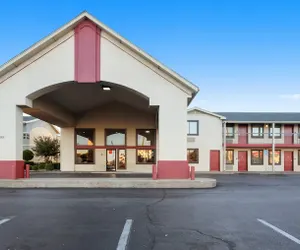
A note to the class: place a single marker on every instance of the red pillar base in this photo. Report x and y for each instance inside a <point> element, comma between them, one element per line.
<point>11,169</point>
<point>173,170</point>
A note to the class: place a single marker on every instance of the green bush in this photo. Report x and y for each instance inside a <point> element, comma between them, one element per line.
<point>34,167</point>
<point>41,166</point>
<point>27,155</point>
<point>56,166</point>
<point>49,167</point>
<point>31,163</point>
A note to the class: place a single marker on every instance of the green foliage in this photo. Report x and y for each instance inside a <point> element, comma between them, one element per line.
<point>27,155</point>
<point>34,167</point>
<point>46,147</point>
<point>31,163</point>
<point>49,167</point>
<point>42,166</point>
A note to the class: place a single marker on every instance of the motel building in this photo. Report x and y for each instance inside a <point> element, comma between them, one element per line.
<point>119,109</point>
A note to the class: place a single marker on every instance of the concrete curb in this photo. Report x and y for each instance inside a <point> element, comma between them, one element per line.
<point>107,183</point>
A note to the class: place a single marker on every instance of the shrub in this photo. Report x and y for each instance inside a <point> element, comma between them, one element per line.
<point>27,155</point>
<point>41,166</point>
<point>31,163</point>
<point>46,147</point>
<point>49,166</point>
<point>34,167</point>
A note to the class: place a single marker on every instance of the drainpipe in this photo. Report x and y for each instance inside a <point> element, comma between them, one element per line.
<point>273,147</point>
<point>224,146</point>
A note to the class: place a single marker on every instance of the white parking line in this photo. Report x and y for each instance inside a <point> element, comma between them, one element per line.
<point>4,221</point>
<point>278,230</point>
<point>123,241</point>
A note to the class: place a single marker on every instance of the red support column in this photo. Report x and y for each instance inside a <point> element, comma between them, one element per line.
<point>27,171</point>
<point>154,172</point>
<point>192,173</point>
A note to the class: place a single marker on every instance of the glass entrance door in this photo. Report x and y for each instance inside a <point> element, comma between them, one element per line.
<point>115,159</point>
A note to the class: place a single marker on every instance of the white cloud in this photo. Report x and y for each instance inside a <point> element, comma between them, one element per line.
<point>291,96</point>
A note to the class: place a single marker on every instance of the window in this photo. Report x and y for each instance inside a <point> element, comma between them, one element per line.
<point>230,130</point>
<point>115,137</point>
<point>145,156</point>
<point>257,131</point>
<point>193,127</point>
<point>84,156</point>
<point>298,157</point>
<point>145,137</point>
<point>277,131</point>
<point>193,155</point>
<point>257,157</point>
<point>26,136</point>
<point>229,156</point>
<point>277,157</point>
<point>85,136</point>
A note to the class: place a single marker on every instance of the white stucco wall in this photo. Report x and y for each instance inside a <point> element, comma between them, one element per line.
<point>120,66</point>
<point>67,154</point>
<point>209,138</point>
<point>55,64</point>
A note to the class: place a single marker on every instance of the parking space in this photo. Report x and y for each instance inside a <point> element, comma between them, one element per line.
<point>243,212</point>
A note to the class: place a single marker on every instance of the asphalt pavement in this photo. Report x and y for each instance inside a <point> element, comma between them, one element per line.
<point>243,212</point>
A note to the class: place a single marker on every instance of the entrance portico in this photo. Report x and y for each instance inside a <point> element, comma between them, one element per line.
<point>84,77</point>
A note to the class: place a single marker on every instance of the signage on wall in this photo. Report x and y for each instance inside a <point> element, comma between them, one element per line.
<point>266,151</point>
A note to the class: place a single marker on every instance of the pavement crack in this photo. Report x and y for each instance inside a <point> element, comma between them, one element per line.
<point>152,222</point>
<point>230,244</point>
<point>149,206</point>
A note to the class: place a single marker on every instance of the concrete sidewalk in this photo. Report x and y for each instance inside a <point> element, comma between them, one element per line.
<point>107,183</point>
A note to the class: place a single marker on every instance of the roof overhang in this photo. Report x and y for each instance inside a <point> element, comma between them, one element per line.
<point>263,122</point>
<point>206,112</point>
<point>45,42</point>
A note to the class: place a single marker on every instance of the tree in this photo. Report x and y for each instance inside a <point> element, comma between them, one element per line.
<point>46,147</point>
<point>27,155</point>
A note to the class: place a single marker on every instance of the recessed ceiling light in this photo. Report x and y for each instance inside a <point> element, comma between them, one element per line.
<point>106,88</point>
<point>147,131</point>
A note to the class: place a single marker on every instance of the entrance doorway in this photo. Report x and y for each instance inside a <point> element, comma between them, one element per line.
<point>115,159</point>
<point>288,161</point>
<point>242,165</point>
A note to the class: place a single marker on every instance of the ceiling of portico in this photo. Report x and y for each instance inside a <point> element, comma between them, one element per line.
<point>80,98</point>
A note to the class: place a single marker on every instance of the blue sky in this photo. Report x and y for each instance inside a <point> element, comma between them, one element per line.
<point>243,55</point>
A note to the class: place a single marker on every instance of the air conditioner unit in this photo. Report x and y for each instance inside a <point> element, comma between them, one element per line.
<point>229,140</point>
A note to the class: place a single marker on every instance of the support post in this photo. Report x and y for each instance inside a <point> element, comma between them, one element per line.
<point>273,147</point>
<point>27,171</point>
<point>154,172</point>
<point>224,146</point>
<point>192,173</point>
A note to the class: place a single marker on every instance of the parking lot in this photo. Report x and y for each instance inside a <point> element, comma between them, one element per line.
<point>243,212</point>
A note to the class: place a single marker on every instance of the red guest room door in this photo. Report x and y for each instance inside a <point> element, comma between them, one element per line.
<point>242,166</point>
<point>288,161</point>
<point>243,136</point>
<point>214,160</point>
